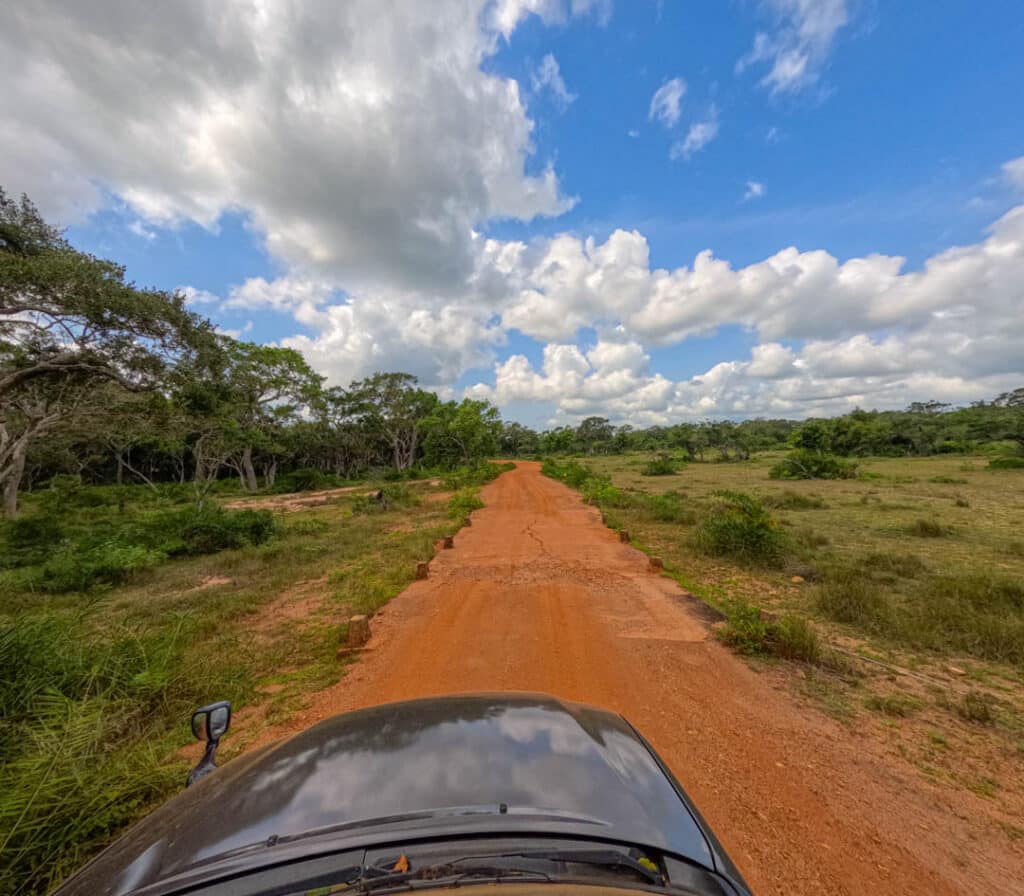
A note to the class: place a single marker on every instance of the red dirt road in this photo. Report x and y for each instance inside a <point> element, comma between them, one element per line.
<point>538,595</point>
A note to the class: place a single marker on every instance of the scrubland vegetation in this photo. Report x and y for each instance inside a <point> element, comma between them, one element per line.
<point>897,594</point>
<point>145,567</point>
<point>125,608</point>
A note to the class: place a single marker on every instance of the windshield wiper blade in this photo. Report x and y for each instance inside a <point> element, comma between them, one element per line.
<point>609,859</point>
<point>446,874</point>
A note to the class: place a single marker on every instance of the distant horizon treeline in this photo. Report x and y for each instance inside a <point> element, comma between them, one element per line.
<point>112,383</point>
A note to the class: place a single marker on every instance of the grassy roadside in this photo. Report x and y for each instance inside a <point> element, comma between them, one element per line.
<point>897,598</point>
<point>96,686</point>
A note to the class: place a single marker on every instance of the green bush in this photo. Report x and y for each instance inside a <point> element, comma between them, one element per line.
<point>666,508</point>
<point>306,479</point>
<point>476,475</point>
<point>1006,463</point>
<point>80,566</point>
<point>662,465</point>
<point>739,527</point>
<point>573,474</point>
<point>848,595</point>
<point>30,539</point>
<point>193,532</point>
<point>748,631</point>
<point>807,464</point>
<point>463,503</point>
<point>596,489</point>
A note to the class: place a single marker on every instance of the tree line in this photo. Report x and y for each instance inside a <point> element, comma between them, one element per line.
<point>114,383</point>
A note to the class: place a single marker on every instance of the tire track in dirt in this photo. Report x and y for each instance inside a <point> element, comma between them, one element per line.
<point>539,596</point>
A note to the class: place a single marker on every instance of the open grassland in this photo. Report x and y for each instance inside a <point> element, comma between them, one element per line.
<point>96,686</point>
<point>899,593</point>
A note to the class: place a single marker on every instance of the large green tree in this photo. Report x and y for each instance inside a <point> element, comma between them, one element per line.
<point>67,321</point>
<point>392,405</point>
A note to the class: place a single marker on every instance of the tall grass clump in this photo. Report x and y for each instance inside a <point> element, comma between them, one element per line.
<point>597,489</point>
<point>740,528</point>
<point>981,614</point>
<point>1011,462</point>
<point>669,507</point>
<point>749,632</point>
<point>926,528</point>
<point>850,596</point>
<point>790,500</point>
<point>88,720</point>
<point>463,503</point>
<point>662,465</point>
<point>476,475</point>
<point>807,464</point>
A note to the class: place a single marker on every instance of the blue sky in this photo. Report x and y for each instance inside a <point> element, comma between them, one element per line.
<point>485,193</point>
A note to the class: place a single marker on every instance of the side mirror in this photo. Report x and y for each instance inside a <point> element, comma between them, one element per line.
<point>210,723</point>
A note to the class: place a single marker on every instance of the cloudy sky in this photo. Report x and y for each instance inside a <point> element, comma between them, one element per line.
<point>651,211</point>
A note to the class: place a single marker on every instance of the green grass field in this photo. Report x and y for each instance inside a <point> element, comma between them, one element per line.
<point>900,593</point>
<point>97,687</point>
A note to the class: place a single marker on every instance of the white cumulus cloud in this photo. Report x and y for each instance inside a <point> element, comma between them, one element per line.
<point>361,139</point>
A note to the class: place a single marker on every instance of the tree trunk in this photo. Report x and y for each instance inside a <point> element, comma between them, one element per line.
<point>17,469</point>
<point>120,468</point>
<point>249,481</point>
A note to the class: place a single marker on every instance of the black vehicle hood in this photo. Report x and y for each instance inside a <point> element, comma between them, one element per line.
<point>409,770</point>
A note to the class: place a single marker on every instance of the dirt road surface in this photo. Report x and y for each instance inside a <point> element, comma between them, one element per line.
<point>537,595</point>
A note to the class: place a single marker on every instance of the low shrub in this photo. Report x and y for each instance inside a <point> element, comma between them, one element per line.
<point>572,473</point>
<point>898,705</point>
<point>962,502</point>
<point>1006,463</point>
<point>598,490</point>
<point>974,613</point>
<point>213,529</point>
<point>907,566</point>
<point>748,631</point>
<point>80,566</point>
<point>476,475</point>
<point>806,464</point>
<point>928,529</point>
<point>948,480</point>
<point>666,508</point>
<point>306,479</point>
<point>739,527</point>
<point>790,500</point>
<point>812,539</point>
<point>463,503</point>
<point>975,706</point>
<point>28,540</point>
<point>306,526</point>
<point>848,595</point>
<point>662,465</point>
